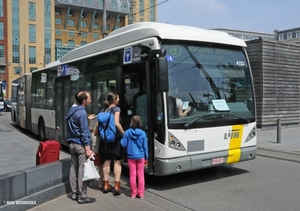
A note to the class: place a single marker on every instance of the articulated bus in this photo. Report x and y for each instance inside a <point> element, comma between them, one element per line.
<point>2,90</point>
<point>158,70</point>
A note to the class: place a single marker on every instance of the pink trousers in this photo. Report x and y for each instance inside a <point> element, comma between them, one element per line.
<point>136,173</point>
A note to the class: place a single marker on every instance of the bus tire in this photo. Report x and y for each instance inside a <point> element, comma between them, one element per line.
<point>41,126</point>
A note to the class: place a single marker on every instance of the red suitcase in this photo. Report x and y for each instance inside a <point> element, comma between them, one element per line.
<point>48,151</point>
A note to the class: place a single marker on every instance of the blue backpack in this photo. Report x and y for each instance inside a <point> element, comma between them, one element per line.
<point>106,126</point>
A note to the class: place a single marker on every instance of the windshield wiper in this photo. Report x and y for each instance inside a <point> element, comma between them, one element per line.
<point>241,118</point>
<point>187,125</point>
<point>194,120</point>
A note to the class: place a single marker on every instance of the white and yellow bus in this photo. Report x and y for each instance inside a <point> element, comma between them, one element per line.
<point>175,68</point>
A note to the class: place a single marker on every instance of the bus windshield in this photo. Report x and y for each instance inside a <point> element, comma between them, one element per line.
<point>203,79</point>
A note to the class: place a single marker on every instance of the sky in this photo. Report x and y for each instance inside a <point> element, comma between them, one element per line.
<point>262,16</point>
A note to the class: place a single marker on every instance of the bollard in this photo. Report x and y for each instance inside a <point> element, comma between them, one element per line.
<point>278,131</point>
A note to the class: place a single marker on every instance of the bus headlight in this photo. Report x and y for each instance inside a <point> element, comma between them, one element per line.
<point>174,143</point>
<point>251,135</point>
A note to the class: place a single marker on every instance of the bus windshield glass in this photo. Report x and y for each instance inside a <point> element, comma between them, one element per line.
<point>208,83</point>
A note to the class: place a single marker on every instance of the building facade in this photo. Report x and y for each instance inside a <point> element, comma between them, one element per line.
<point>247,35</point>
<point>288,35</point>
<point>34,33</point>
<point>142,11</point>
<point>28,36</point>
<point>79,22</point>
<point>3,37</point>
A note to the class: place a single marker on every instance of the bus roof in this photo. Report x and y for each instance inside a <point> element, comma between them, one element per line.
<point>143,30</point>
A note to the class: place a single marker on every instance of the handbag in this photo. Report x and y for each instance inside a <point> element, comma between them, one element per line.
<point>90,172</point>
<point>95,139</point>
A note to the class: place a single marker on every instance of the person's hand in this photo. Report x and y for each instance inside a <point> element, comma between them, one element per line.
<point>92,116</point>
<point>189,109</point>
<point>89,153</point>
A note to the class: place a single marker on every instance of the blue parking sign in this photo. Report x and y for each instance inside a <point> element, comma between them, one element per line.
<point>127,58</point>
<point>64,69</point>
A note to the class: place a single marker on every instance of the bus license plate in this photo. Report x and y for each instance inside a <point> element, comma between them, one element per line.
<point>217,161</point>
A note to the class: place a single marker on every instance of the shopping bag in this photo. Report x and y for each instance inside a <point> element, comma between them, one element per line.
<point>90,172</point>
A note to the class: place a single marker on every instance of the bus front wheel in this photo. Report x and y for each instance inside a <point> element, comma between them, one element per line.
<point>42,135</point>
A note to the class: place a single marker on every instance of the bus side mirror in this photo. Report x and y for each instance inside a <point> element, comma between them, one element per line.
<point>162,74</point>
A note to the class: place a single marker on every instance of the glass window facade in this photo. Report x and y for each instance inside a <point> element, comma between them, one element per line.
<point>32,55</point>
<point>1,31</point>
<point>16,54</point>
<point>152,10</point>
<point>47,31</point>
<point>83,24</point>
<point>1,51</point>
<point>17,70</point>
<point>142,9</point>
<point>58,21</point>
<point>281,37</point>
<point>71,23</point>
<point>58,32</point>
<point>33,69</point>
<point>71,13</point>
<point>95,26</point>
<point>114,5</point>
<point>95,36</point>
<point>58,42</point>
<point>31,11</point>
<point>32,33</point>
<point>57,11</point>
<point>71,33</point>
<point>83,34</point>
<point>1,8</point>
<point>15,31</point>
<point>71,43</point>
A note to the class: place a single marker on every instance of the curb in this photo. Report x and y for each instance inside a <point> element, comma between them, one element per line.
<point>293,156</point>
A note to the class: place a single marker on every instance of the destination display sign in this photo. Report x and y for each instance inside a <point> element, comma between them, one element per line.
<point>205,55</point>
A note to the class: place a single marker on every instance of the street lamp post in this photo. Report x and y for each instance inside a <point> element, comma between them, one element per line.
<point>24,52</point>
<point>104,34</point>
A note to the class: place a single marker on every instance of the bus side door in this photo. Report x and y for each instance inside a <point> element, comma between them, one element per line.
<point>135,88</point>
<point>62,105</point>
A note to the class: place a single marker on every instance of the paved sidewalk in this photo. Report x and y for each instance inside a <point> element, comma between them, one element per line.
<point>287,149</point>
<point>18,152</point>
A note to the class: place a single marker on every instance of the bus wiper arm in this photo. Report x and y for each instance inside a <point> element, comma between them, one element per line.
<point>194,120</point>
<point>244,119</point>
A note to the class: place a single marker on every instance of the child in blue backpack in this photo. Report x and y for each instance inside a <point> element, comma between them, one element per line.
<point>135,141</point>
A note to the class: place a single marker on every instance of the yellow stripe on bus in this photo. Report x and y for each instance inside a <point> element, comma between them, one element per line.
<point>234,151</point>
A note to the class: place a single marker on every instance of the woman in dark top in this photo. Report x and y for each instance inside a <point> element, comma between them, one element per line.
<point>112,151</point>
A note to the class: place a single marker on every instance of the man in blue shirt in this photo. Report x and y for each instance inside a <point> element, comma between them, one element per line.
<point>79,139</point>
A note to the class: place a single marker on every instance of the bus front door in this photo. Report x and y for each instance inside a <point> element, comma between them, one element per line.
<point>63,104</point>
<point>135,89</point>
